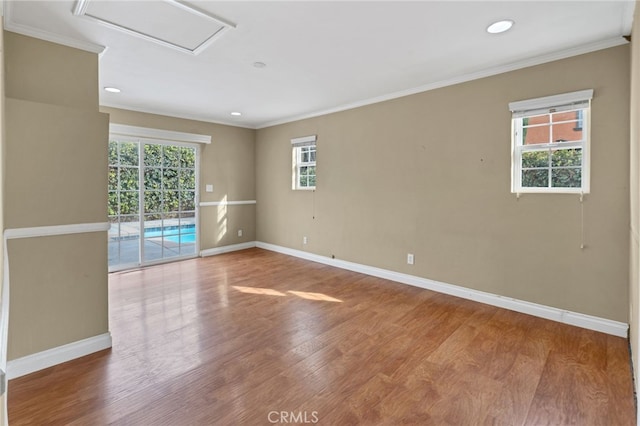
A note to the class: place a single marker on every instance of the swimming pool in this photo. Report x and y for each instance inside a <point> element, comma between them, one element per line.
<point>182,238</point>
<point>177,234</point>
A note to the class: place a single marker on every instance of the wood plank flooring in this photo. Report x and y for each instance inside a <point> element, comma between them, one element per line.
<point>259,338</point>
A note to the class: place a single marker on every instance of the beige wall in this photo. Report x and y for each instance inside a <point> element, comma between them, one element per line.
<point>228,163</point>
<point>634,259</point>
<point>429,174</point>
<point>50,73</point>
<point>56,157</point>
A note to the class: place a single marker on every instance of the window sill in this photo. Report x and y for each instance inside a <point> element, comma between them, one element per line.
<point>550,191</point>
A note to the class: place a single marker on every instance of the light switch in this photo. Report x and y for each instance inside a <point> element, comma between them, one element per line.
<point>209,188</point>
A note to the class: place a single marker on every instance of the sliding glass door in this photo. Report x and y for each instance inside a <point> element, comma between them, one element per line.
<point>152,202</point>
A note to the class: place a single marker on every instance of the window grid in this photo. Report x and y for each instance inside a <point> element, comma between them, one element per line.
<point>550,152</point>
<point>306,167</point>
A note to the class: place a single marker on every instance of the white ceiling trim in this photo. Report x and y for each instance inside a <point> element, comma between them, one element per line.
<point>81,6</point>
<point>563,54</point>
<point>27,30</point>
<point>194,117</point>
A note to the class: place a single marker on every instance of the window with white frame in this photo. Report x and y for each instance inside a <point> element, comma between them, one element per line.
<point>304,162</point>
<point>550,143</point>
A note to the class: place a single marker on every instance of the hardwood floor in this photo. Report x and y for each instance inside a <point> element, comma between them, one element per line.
<point>255,338</point>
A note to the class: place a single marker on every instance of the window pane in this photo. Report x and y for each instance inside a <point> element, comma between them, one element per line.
<point>113,152</point>
<point>567,157</point>
<point>312,180</point>
<point>153,155</point>
<point>129,153</point>
<point>567,127</point>
<point>152,217</point>
<point>313,156</point>
<point>535,178</point>
<point>303,181</point>
<point>134,220</point>
<point>536,135</point>
<point>535,159</point>
<point>305,156</point>
<point>536,119</point>
<point>187,200</point>
<point>152,179</point>
<point>171,201</point>
<point>128,178</point>
<point>113,178</point>
<point>187,179</point>
<point>170,178</point>
<point>152,201</point>
<point>113,204</point>
<point>566,178</point>
<point>129,202</point>
<point>171,156</point>
<point>311,170</point>
<point>188,157</point>
<point>169,228</point>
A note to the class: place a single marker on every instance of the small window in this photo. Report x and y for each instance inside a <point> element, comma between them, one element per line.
<point>550,143</point>
<point>304,162</point>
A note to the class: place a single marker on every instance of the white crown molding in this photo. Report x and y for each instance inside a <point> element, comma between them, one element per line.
<point>227,249</point>
<point>45,359</point>
<point>225,203</point>
<point>158,134</point>
<point>563,54</point>
<point>555,56</point>
<point>193,117</point>
<point>30,31</point>
<point>560,315</point>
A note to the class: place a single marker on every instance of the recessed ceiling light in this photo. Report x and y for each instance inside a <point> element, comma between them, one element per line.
<point>259,64</point>
<point>112,89</point>
<point>500,26</point>
<point>236,114</point>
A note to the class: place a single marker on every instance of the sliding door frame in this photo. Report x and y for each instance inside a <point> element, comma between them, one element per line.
<point>119,133</point>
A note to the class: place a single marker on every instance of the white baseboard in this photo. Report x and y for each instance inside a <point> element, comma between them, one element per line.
<point>50,357</point>
<point>603,325</point>
<point>227,249</point>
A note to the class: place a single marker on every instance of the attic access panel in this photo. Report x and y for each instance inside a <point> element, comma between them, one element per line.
<point>169,23</point>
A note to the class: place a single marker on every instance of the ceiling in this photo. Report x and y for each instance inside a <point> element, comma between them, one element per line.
<point>320,56</point>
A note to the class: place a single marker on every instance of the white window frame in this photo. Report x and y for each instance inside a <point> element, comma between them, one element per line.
<point>565,102</point>
<point>298,144</point>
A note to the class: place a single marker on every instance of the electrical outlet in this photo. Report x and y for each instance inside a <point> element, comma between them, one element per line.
<point>239,232</point>
<point>304,240</point>
<point>410,259</point>
<point>208,188</point>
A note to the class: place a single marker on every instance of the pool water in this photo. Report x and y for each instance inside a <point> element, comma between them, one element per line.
<point>182,238</point>
<point>181,235</point>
